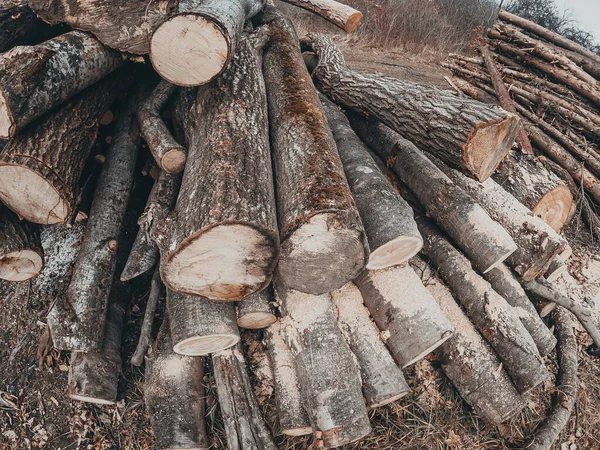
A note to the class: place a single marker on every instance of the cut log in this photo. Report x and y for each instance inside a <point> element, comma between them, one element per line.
<point>21,254</point>
<point>540,190</point>
<point>507,285</point>
<point>40,168</point>
<point>168,153</point>
<point>407,315</point>
<point>125,26</point>
<point>36,79</point>
<point>473,91</point>
<point>329,378</point>
<point>343,16</point>
<point>245,427</point>
<point>200,326</point>
<point>323,241</point>
<point>293,420</point>
<point>17,21</point>
<point>495,319</point>
<point>256,310</point>
<point>468,135</point>
<point>559,266</point>
<point>146,332</point>
<point>484,241</point>
<point>197,43</point>
<point>389,222</point>
<point>144,253</point>
<point>538,243</point>
<point>471,364</point>
<point>77,320</point>
<point>174,396</point>
<point>221,240</point>
<point>382,380</point>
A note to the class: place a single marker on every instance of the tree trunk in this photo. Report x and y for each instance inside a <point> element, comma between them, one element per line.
<point>471,364</point>
<point>490,313</point>
<point>200,326</point>
<point>484,241</point>
<point>174,396</point>
<point>323,241</point>
<point>40,167</point>
<point>329,378</point>
<point>257,310</point>
<point>343,16</point>
<point>195,45</point>
<point>244,425</point>
<point>221,240</point>
<point>467,134</point>
<point>77,320</point>
<point>382,380</point>
<point>36,79</point>
<point>21,254</point>
<point>536,187</point>
<point>407,315</point>
<point>389,221</point>
<point>17,21</point>
<point>293,420</point>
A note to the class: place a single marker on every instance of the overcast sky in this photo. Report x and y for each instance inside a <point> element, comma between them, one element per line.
<point>586,12</point>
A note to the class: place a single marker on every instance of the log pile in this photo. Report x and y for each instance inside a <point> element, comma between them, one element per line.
<point>278,207</point>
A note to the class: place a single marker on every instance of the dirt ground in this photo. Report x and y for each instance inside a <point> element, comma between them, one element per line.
<point>35,412</point>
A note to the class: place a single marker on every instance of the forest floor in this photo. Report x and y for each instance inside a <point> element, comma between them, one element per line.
<point>36,413</point>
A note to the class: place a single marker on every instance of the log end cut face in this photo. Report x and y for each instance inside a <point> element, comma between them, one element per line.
<point>31,196</point>
<point>488,144</point>
<point>353,22</point>
<point>173,160</point>
<point>227,262</point>
<point>20,265</point>
<point>321,255</point>
<point>300,431</point>
<point>395,252</point>
<point>189,50</point>
<point>256,320</point>
<point>554,207</point>
<point>7,123</point>
<point>205,345</point>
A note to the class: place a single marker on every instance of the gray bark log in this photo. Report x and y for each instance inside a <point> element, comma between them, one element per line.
<point>256,310</point>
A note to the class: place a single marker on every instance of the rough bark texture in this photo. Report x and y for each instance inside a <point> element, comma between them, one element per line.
<point>36,79</point>
<point>323,241</point>
<point>382,380</point>
<point>21,254</point>
<point>343,16</point>
<point>389,221</point>
<point>497,321</point>
<point>405,312</point>
<point>200,326</point>
<point>221,240</point>
<point>17,20</point>
<point>146,332</point>
<point>507,285</point>
<point>329,378</point>
<point>245,427</point>
<point>174,396</point>
<point>126,25</point>
<point>256,310</point>
<point>40,167</point>
<point>293,420</point>
<point>466,134</point>
<point>484,241</point>
<point>77,320</point>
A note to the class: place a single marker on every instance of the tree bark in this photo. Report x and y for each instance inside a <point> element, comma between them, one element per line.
<point>221,240</point>
<point>257,310</point>
<point>146,331</point>
<point>559,266</point>
<point>17,21</point>
<point>195,45</point>
<point>293,420</point>
<point>329,378</point>
<point>323,241</point>
<point>200,326</point>
<point>484,241</point>
<point>244,425</point>
<point>77,320</point>
<point>468,135</point>
<point>174,396</point>
<point>21,254</point>
<point>40,167</point>
<point>382,380</point>
<point>407,315</point>
<point>36,79</point>
<point>388,220</point>
<point>473,91</point>
<point>343,16</point>
<point>490,313</point>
